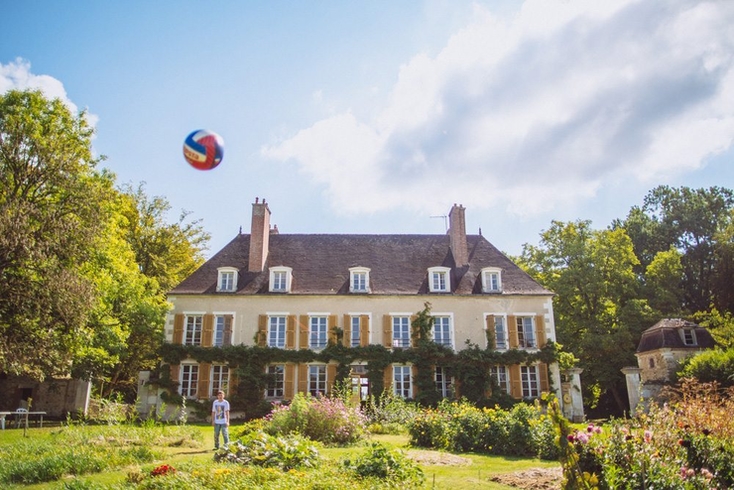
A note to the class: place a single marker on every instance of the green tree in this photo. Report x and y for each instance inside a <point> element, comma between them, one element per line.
<point>51,210</point>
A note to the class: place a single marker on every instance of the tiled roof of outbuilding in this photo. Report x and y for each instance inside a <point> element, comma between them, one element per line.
<point>666,334</point>
<point>398,265</point>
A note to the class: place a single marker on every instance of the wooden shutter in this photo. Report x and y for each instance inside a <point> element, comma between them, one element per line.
<point>491,332</point>
<point>227,339</point>
<point>331,324</point>
<point>289,381</point>
<point>412,341</point>
<point>388,378</point>
<point>330,377</point>
<point>543,377</point>
<point>303,337</point>
<point>262,330</point>
<point>540,330</point>
<point>202,391</point>
<point>347,338</point>
<point>233,381</point>
<point>512,332</point>
<point>303,378</point>
<point>387,331</point>
<point>178,328</point>
<point>413,377</point>
<point>515,381</point>
<point>175,372</point>
<point>290,332</point>
<point>364,330</point>
<point>207,331</point>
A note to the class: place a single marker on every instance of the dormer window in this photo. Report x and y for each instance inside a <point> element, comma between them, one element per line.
<point>491,280</point>
<point>280,279</point>
<point>359,280</point>
<point>227,279</point>
<point>689,336</point>
<point>438,280</point>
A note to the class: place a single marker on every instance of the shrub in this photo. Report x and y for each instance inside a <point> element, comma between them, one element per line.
<point>261,449</point>
<point>388,465</point>
<point>710,366</point>
<point>390,409</point>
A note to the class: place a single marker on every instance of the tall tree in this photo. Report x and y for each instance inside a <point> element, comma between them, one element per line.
<point>51,209</point>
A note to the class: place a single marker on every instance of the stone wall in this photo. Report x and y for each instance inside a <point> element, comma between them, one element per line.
<point>57,397</point>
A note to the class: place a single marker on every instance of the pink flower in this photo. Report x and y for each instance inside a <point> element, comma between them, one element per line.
<point>648,436</point>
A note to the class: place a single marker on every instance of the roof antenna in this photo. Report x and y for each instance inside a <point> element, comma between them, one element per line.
<point>445,221</point>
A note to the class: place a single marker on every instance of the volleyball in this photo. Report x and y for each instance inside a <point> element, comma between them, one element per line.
<point>203,149</point>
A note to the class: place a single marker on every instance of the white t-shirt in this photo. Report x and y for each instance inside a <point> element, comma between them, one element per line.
<point>219,409</point>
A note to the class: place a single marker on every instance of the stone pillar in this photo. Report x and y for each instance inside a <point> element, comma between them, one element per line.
<point>632,375</point>
<point>573,401</point>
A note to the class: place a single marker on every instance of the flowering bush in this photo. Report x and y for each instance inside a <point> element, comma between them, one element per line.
<point>162,470</point>
<point>326,420</point>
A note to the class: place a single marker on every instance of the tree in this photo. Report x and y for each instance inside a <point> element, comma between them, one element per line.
<point>51,209</point>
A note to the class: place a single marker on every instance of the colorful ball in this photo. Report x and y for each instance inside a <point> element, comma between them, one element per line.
<point>203,149</point>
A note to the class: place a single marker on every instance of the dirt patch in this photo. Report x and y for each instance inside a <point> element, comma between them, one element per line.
<point>532,479</point>
<point>437,458</point>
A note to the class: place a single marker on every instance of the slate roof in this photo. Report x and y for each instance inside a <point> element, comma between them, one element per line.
<point>666,334</point>
<point>398,265</point>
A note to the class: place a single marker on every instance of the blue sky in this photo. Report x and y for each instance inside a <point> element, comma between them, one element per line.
<point>377,116</point>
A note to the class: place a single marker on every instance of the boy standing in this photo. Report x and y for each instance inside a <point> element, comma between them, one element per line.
<point>220,419</point>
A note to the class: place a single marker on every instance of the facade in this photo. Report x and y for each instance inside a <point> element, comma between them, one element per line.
<point>306,292</point>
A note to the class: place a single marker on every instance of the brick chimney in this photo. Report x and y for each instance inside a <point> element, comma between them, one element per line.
<point>457,235</point>
<point>259,236</point>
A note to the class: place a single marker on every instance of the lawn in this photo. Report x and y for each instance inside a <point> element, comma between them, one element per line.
<point>442,470</point>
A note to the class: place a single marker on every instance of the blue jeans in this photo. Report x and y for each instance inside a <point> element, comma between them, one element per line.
<point>224,430</point>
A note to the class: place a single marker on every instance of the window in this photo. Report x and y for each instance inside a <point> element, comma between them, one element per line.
<point>189,380</point>
<point>280,279</point>
<point>276,381</point>
<point>443,382</point>
<point>317,332</point>
<point>438,279</point>
<point>689,336</point>
<point>401,381</point>
<point>276,332</point>
<point>500,333</point>
<point>355,339</point>
<point>529,378</point>
<point>317,380</point>
<point>192,334</point>
<point>227,281</point>
<point>526,332</point>
<point>220,378</point>
<point>499,374</point>
<point>491,280</point>
<point>401,331</point>
<point>651,362</point>
<point>442,331</point>
<point>359,280</point>
<point>222,330</point>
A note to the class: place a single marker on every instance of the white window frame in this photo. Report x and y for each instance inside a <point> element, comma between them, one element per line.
<point>317,381</point>
<point>277,330</point>
<point>439,279</point>
<point>227,279</point>
<point>188,380</point>
<point>441,320</point>
<point>193,328</point>
<point>689,337</point>
<point>492,280</point>
<point>218,379</point>
<point>318,331</point>
<point>500,374</point>
<point>443,381</point>
<point>355,327</point>
<point>530,380</point>
<point>359,280</point>
<point>526,338</point>
<point>220,327</point>
<point>275,388</point>
<point>400,324</point>
<point>281,278</point>
<point>402,381</point>
<point>501,337</point>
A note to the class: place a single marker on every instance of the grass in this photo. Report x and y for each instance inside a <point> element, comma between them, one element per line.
<point>438,473</point>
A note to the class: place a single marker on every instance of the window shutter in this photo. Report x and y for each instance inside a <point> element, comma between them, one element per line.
<point>387,331</point>
<point>364,330</point>
<point>303,378</point>
<point>289,381</point>
<point>178,328</point>
<point>512,332</point>
<point>388,378</point>
<point>543,377</point>
<point>303,325</point>
<point>347,337</point>
<point>413,377</point>
<point>491,332</point>
<point>540,330</point>
<point>202,392</point>
<point>207,331</point>
<point>412,340</point>
<point>232,383</point>
<point>262,330</point>
<point>175,373</point>
<point>331,324</point>
<point>330,377</point>
<point>228,320</point>
<point>515,381</point>
<point>290,332</point>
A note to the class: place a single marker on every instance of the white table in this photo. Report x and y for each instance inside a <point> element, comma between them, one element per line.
<point>20,413</point>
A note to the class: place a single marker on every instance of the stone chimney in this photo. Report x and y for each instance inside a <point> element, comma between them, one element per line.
<point>457,235</point>
<point>259,236</point>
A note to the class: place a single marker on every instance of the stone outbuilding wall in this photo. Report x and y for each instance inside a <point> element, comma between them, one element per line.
<point>58,397</point>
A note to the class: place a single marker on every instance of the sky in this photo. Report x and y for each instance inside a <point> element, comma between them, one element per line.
<point>377,116</point>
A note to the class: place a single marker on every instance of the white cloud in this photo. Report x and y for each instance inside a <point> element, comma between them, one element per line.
<point>17,75</point>
<point>538,110</point>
